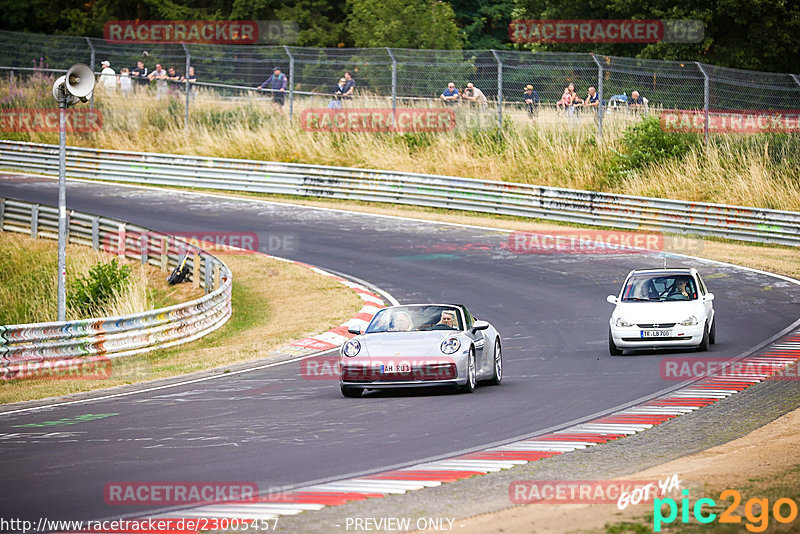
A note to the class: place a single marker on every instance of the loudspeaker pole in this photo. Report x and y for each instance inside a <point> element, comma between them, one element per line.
<point>62,204</point>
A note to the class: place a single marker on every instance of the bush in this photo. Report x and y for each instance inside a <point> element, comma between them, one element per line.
<point>88,294</point>
<point>646,143</point>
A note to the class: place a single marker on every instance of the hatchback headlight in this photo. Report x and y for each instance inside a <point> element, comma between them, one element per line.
<point>689,321</point>
<point>351,348</point>
<point>451,345</point>
<point>622,322</point>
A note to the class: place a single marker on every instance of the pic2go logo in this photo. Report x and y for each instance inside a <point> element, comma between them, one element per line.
<point>756,511</point>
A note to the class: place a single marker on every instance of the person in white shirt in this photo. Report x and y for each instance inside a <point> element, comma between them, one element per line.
<point>108,77</point>
<point>125,82</point>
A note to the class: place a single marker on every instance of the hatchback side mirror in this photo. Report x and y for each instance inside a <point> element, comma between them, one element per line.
<point>709,297</point>
<point>611,299</point>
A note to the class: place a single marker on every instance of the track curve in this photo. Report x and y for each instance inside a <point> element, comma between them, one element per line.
<point>277,429</point>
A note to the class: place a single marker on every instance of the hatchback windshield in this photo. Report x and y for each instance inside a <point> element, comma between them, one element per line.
<point>659,287</point>
<point>415,319</point>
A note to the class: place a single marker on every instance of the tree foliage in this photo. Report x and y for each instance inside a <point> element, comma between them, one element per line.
<point>403,24</point>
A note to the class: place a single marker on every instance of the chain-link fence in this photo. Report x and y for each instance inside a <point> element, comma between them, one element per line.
<point>402,77</point>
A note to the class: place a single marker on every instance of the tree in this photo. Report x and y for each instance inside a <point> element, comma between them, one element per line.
<point>403,24</point>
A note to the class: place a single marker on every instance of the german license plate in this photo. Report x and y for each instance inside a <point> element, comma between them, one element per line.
<point>656,333</point>
<point>396,368</point>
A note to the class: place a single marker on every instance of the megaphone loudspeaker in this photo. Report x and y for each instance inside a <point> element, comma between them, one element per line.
<point>80,81</point>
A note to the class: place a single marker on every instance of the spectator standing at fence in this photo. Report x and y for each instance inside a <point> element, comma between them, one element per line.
<point>592,99</point>
<point>125,82</point>
<point>192,79</point>
<point>349,86</point>
<point>474,95</point>
<point>338,91</point>
<point>276,82</point>
<point>635,101</point>
<point>450,95</point>
<point>160,77</point>
<point>108,77</point>
<point>531,99</point>
<point>172,79</point>
<point>139,72</point>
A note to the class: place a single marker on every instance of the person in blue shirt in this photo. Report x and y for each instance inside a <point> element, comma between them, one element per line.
<point>276,82</point>
<point>450,95</point>
<point>635,102</point>
<point>592,99</point>
<point>531,99</point>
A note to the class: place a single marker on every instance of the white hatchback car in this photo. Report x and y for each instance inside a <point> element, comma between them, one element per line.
<point>662,308</point>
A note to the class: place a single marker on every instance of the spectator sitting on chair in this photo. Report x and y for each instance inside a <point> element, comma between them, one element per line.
<point>531,99</point>
<point>566,100</point>
<point>592,99</point>
<point>450,95</point>
<point>473,94</point>
<point>577,101</point>
<point>635,102</point>
<point>349,86</point>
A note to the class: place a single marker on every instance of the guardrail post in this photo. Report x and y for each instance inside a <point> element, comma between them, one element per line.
<point>208,273</point>
<point>706,89</point>
<point>121,238</point>
<point>196,270</point>
<point>217,275</point>
<point>91,66</point>
<point>2,212</point>
<point>164,253</point>
<point>35,221</point>
<point>144,243</point>
<point>394,85</point>
<point>291,81</point>
<point>599,98</point>
<point>95,233</point>
<point>188,90</point>
<point>499,90</point>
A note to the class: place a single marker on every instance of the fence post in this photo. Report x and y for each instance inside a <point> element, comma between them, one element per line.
<point>706,89</point>
<point>144,244</point>
<point>121,240</point>
<point>394,85</point>
<point>499,90</point>
<point>2,212</point>
<point>208,271</point>
<point>188,89</point>
<point>291,81</point>
<point>795,78</point>
<point>599,98</point>
<point>91,65</point>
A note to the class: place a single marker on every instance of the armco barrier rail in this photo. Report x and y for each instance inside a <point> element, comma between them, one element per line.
<point>568,205</point>
<point>26,348</point>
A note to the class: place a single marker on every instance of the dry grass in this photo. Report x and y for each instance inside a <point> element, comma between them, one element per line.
<point>274,303</point>
<point>551,149</point>
<point>28,281</point>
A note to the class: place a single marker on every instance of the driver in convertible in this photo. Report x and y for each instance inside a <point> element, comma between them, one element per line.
<point>447,321</point>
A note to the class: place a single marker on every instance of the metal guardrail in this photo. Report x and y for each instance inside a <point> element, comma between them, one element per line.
<point>487,196</point>
<point>25,348</point>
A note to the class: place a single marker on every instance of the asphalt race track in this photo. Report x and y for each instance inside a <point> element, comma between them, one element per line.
<point>277,429</point>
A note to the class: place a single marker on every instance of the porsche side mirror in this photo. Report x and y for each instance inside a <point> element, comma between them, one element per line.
<point>357,330</point>
<point>479,325</point>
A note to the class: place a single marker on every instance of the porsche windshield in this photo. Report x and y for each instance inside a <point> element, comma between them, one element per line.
<point>415,319</point>
<point>659,287</point>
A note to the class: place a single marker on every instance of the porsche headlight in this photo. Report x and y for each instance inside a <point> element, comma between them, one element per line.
<point>689,321</point>
<point>622,322</point>
<point>351,348</point>
<point>451,345</point>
